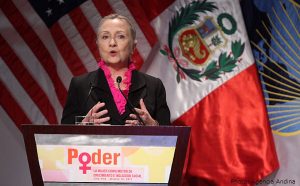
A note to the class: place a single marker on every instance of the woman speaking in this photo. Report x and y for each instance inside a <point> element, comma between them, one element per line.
<point>117,93</point>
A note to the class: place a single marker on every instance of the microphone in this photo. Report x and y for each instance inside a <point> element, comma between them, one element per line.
<point>88,96</point>
<point>91,88</point>
<point>119,80</point>
<point>130,106</point>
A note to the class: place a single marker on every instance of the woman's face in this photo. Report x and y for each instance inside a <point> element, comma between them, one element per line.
<point>115,42</point>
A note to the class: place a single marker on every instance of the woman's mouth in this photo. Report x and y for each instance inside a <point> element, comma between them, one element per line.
<point>113,53</point>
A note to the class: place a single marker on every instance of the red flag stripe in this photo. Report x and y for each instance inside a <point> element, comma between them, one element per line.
<point>85,30</point>
<point>135,8</point>
<point>35,44</point>
<point>152,8</point>
<point>67,51</point>
<point>137,59</point>
<point>103,7</point>
<point>29,84</point>
<point>11,107</point>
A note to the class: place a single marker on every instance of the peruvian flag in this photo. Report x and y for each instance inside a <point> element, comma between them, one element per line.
<point>206,64</point>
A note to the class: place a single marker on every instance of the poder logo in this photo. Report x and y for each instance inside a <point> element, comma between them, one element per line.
<point>87,159</point>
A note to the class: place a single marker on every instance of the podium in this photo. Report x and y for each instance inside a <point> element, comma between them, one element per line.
<point>110,155</point>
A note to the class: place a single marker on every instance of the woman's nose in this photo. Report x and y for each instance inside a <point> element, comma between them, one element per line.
<point>112,42</point>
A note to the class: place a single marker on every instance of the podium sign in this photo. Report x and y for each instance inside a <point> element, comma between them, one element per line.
<point>105,154</point>
<point>105,158</point>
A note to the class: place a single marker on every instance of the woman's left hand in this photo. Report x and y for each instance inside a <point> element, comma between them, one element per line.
<point>144,115</point>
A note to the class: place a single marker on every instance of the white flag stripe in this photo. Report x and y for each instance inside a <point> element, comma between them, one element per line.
<point>143,46</point>
<point>5,119</point>
<point>22,98</point>
<point>78,43</point>
<point>30,62</point>
<point>44,35</point>
<point>91,13</point>
<point>160,65</point>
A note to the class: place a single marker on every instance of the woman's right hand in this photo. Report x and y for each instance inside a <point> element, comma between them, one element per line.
<point>99,116</point>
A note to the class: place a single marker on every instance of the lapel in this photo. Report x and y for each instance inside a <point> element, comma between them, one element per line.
<point>101,92</point>
<point>137,91</point>
<point>138,88</point>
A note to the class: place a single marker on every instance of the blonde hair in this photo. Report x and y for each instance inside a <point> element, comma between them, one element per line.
<point>118,16</point>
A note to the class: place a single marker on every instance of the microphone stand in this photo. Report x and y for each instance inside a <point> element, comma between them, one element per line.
<point>130,106</point>
<point>89,93</point>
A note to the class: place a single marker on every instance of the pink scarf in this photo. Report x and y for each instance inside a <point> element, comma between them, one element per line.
<point>120,101</point>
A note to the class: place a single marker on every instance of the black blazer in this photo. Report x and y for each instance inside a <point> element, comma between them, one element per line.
<point>79,101</point>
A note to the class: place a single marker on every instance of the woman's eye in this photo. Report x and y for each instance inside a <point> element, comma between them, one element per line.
<point>121,36</point>
<point>104,37</point>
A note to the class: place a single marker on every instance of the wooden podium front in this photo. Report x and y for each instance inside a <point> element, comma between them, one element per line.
<point>86,154</point>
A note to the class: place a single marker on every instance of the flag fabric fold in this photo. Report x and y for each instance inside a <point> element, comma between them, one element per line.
<point>231,142</point>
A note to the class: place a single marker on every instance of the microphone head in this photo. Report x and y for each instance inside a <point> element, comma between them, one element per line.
<point>119,79</point>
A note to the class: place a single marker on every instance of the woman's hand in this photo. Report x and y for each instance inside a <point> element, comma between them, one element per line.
<point>144,115</point>
<point>99,116</point>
